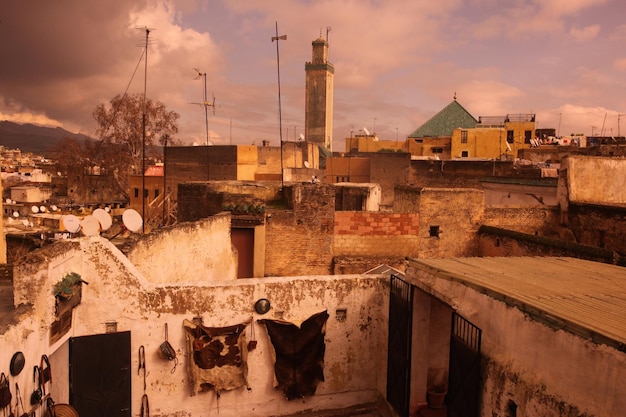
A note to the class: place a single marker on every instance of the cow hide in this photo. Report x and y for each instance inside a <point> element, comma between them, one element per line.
<point>218,357</point>
<point>298,354</point>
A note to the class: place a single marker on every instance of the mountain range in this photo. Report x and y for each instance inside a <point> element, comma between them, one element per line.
<point>36,139</point>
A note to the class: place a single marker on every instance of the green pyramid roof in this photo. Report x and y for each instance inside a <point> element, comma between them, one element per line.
<point>443,123</point>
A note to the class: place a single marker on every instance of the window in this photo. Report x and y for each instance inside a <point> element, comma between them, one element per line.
<point>528,134</point>
<point>156,192</point>
<point>463,136</point>
<point>136,192</point>
<point>464,154</point>
<point>434,231</point>
<point>145,193</point>
<point>437,150</point>
<point>510,136</point>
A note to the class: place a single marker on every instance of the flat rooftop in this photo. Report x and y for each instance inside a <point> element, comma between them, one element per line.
<point>582,297</point>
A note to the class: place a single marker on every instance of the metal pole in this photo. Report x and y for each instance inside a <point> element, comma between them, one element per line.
<point>280,116</point>
<point>143,147</point>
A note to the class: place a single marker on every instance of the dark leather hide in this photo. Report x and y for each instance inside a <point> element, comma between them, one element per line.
<point>299,354</point>
<point>219,356</point>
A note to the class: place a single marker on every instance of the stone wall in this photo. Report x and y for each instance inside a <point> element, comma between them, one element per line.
<point>531,220</point>
<point>599,226</point>
<point>299,239</point>
<point>389,169</point>
<point>493,241</point>
<point>457,214</point>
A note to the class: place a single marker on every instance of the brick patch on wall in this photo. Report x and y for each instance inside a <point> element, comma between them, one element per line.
<point>359,223</point>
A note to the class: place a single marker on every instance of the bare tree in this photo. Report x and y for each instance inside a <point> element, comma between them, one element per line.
<point>120,131</point>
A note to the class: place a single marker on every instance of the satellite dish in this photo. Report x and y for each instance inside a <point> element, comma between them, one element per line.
<point>42,209</point>
<point>59,173</point>
<point>90,226</point>
<point>367,132</point>
<point>103,218</point>
<point>25,222</point>
<point>53,207</point>
<point>306,164</point>
<point>16,214</point>
<point>132,220</point>
<point>34,209</point>
<point>8,201</point>
<point>71,223</point>
<point>107,209</point>
<point>301,136</point>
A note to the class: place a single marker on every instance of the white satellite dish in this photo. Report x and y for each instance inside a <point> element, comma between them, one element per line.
<point>8,201</point>
<point>367,132</point>
<point>34,209</point>
<point>301,136</point>
<point>107,209</point>
<point>42,209</point>
<point>132,220</point>
<point>90,226</point>
<point>53,207</point>
<point>71,223</point>
<point>25,222</point>
<point>306,164</point>
<point>103,218</point>
<point>16,214</point>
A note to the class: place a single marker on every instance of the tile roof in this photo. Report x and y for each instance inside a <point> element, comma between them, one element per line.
<point>582,297</point>
<point>443,123</point>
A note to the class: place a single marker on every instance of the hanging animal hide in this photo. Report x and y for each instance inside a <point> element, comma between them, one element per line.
<point>219,357</point>
<point>299,354</point>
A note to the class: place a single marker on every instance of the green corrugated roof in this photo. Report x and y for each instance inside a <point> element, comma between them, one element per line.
<point>443,123</point>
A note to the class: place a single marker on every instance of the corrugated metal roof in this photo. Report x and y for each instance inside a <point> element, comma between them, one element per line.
<point>583,297</point>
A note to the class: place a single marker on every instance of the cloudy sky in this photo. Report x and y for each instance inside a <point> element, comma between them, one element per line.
<point>397,62</point>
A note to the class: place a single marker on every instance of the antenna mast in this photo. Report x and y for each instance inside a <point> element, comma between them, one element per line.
<point>143,137</point>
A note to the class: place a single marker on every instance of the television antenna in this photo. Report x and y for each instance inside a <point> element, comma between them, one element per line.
<point>204,102</point>
<point>618,117</point>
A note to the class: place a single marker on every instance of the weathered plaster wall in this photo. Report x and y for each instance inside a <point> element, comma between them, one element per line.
<point>355,362</point>
<point>546,372</point>
<point>596,180</point>
<point>198,251</point>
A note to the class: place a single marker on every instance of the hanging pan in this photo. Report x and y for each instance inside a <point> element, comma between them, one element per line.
<point>17,363</point>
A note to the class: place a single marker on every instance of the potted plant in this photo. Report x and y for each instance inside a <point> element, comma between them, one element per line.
<point>436,395</point>
<point>67,291</point>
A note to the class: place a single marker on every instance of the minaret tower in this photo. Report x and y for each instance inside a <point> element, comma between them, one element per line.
<point>318,119</point>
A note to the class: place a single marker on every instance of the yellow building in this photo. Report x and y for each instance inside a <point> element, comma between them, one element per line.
<point>371,143</point>
<point>494,137</point>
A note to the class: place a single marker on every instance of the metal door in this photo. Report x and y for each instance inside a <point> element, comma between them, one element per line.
<point>243,240</point>
<point>399,346</point>
<point>464,378</point>
<point>100,375</point>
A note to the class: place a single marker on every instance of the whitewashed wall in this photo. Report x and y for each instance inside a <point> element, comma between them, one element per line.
<point>355,359</point>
